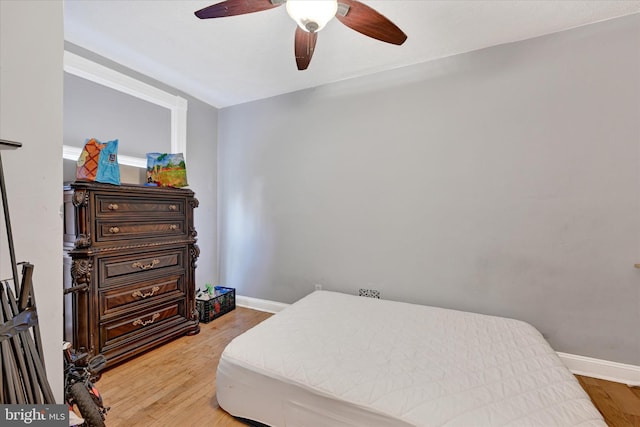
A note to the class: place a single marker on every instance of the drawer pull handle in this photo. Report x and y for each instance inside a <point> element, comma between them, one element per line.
<point>173,208</point>
<point>173,227</point>
<point>142,266</point>
<point>140,322</point>
<point>113,206</point>
<point>114,230</point>
<point>148,294</point>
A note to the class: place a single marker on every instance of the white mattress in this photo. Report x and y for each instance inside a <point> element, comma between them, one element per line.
<point>334,360</point>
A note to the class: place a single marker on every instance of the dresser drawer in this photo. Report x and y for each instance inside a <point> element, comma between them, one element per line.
<point>116,301</point>
<point>110,205</point>
<point>136,326</point>
<point>140,266</point>
<point>113,231</point>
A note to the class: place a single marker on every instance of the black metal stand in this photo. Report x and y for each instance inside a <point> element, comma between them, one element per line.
<point>22,371</point>
<point>5,145</point>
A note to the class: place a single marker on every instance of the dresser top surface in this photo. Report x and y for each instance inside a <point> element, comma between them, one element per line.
<point>96,186</point>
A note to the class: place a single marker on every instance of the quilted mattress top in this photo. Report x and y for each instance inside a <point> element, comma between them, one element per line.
<point>423,365</point>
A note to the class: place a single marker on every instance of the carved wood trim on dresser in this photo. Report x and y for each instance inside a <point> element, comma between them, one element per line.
<point>135,249</point>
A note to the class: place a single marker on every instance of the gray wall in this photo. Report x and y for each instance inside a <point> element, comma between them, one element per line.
<point>92,110</point>
<point>31,45</point>
<point>201,153</point>
<point>139,126</point>
<point>503,181</point>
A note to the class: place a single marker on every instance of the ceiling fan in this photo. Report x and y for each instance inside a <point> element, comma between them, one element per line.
<point>311,16</point>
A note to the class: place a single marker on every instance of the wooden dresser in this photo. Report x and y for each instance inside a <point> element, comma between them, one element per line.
<point>131,251</point>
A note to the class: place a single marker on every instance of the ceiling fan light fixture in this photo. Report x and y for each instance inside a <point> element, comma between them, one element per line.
<point>312,15</point>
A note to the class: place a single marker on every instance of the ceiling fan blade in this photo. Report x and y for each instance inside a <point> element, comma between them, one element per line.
<point>236,7</point>
<point>367,21</point>
<point>305,44</point>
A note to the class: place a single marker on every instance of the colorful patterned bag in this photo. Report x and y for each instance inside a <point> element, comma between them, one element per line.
<point>166,170</point>
<point>99,162</point>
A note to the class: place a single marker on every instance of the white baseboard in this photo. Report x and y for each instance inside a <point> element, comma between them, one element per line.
<point>580,365</point>
<point>602,369</point>
<point>260,304</point>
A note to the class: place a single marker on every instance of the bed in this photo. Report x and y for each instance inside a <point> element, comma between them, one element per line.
<point>337,360</point>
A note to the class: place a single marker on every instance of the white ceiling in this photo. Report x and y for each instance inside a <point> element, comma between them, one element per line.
<point>232,60</point>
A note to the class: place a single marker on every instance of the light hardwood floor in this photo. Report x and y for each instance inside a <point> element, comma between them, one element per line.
<point>174,385</point>
<point>619,404</point>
